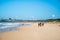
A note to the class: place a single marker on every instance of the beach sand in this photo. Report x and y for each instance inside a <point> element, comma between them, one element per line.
<point>50,31</point>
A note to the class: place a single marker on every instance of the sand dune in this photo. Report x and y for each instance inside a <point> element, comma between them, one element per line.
<point>50,31</point>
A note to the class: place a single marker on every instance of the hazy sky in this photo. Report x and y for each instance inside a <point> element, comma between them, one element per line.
<point>30,10</point>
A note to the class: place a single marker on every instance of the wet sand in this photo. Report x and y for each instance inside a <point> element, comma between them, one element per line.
<point>50,31</point>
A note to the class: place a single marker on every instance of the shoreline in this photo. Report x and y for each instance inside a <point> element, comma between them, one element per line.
<point>50,31</point>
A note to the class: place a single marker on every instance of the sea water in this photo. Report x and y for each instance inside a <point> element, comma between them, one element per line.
<point>5,27</point>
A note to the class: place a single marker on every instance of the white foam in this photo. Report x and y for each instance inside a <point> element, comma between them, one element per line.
<point>7,25</point>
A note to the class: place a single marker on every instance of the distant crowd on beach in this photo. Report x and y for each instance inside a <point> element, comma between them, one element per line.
<point>40,24</point>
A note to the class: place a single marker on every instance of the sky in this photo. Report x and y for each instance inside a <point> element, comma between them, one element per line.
<point>30,9</point>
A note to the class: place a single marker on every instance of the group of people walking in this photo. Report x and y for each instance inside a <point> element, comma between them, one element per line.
<point>40,24</point>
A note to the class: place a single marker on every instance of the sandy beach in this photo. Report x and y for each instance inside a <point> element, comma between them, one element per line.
<point>50,31</point>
